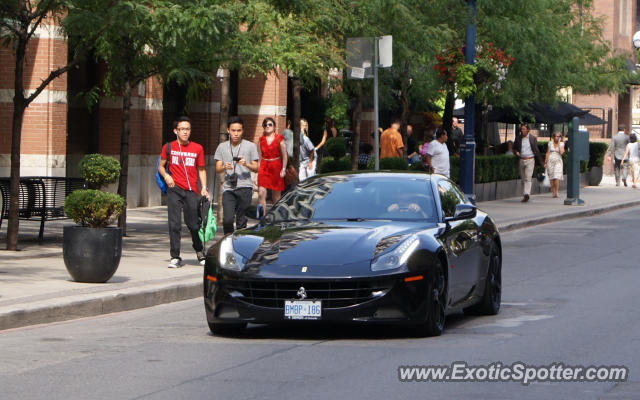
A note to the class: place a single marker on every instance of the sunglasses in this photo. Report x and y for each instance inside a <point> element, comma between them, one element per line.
<point>268,124</point>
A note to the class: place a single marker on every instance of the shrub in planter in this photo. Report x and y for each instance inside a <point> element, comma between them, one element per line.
<point>336,147</point>
<point>394,163</point>
<point>92,250</point>
<point>328,165</point>
<point>93,208</point>
<point>454,169</point>
<point>99,170</point>
<point>391,163</point>
<point>417,167</point>
<point>597,151</point>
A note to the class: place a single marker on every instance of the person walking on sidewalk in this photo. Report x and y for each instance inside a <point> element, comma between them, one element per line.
<point>306,168</point>
<point>273,164</point>
<point>634,159</point>
<point>391,141</point>
<point>619,143</point>
<point>237,158</point>
<point>186,166</point>
<point>438,154</point>
<point>526,149</point>
<point>553,163</point>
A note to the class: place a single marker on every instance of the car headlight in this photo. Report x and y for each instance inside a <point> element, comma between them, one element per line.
<point>397,257</point>
<point>228,257</point>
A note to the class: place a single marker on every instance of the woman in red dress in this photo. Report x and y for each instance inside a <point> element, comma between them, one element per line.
<point>273,161</point>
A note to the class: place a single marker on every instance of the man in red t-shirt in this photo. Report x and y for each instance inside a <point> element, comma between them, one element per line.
<point>186,166</point>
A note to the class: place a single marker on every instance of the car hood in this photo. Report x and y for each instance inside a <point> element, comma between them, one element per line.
<point>321,243</point>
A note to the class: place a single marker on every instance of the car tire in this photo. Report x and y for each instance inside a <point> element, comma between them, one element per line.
<point>491,298</point>
<point>436,289</point>
<point>235,329</point>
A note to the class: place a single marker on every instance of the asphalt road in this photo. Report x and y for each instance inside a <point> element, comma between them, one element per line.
<point>570,296</point>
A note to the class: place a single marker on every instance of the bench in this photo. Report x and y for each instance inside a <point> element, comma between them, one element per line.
<point>41,198</point>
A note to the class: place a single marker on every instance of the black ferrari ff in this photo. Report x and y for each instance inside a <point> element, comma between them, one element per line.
<point>371,247</point>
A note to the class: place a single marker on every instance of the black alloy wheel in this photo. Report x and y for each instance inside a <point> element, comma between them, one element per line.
<point>437,301</point>
<point>492,296</point>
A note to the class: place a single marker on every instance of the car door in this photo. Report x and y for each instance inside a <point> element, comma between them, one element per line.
<point>461,242</point>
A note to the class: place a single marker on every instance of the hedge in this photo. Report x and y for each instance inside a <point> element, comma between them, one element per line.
<point>487,169</point>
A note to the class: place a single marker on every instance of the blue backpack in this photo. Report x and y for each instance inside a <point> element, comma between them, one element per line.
<point>159,180</point>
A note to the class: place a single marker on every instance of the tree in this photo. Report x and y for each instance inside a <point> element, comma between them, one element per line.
<point>19,21</point>
<point>157,38</point>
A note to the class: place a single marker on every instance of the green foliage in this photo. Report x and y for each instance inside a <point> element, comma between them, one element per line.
<point>597,151</point>
<point>99,170</point>
<point>390,163</point>
<point>93,208</point>
<point>465,84</point>
<point>454,169</point>
<point>337,110</point>
<point>328,165</point>
<point>336,147</point>
<point>417,167</point>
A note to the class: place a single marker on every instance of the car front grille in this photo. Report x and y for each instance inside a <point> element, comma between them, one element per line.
<point>333,294</point>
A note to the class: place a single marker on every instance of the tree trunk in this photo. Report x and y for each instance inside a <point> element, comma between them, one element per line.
<point>447,118</point>
<point>485,128</point>
<point>19,106</point>
<point>124,152</point>
<point>224,116</point>
<point>296,123</point>
<point>356,123</point>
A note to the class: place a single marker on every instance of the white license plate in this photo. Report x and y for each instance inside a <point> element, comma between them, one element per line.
<point>302,309</point>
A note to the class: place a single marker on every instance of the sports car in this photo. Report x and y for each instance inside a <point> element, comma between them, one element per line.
<point>369,247</point>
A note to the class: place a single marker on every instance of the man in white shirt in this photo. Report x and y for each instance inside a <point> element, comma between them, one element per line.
<point>526,149</point>
<point>438,154</point>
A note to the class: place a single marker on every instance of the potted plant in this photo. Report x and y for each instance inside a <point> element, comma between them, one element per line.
<point>92,249</point>
<point>597,151</point>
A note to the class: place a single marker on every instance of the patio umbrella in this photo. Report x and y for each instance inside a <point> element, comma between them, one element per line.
<point>590,119</point>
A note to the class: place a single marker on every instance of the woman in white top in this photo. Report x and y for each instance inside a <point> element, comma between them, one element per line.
<point>634,160</point>
<point>553,163</point>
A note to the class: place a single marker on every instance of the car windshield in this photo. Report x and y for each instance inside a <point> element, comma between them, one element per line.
<point>357,197</point>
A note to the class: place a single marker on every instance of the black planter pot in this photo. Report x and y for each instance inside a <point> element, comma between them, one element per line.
<point>595,176</point>
<point>92,254</point>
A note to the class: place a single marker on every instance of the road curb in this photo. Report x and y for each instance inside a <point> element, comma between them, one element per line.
<point>511,226</point>
<point>89,305</point>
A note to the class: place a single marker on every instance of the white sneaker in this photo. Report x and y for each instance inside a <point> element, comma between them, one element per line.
<point>175,263</point>
<point>201,257</point>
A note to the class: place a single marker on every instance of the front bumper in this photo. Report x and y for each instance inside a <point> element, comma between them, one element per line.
<point>382,299</point>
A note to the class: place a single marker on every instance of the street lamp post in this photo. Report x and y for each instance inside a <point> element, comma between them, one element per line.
<point>468,145</point>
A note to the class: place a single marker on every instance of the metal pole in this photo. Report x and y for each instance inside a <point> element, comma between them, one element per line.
<point>468,147</point>
<point>376,135</point>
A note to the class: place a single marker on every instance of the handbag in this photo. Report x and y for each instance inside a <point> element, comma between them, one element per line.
<point>207,219</point>
<point>290,176</point>
<point>162,185</point>
<point>545,180</point>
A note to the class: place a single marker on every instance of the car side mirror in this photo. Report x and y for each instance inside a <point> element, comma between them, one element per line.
<point>463,211</point>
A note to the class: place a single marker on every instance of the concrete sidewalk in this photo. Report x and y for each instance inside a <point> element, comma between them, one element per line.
<point>35,287</point>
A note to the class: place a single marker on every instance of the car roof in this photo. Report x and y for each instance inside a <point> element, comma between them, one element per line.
<point>384,173</point>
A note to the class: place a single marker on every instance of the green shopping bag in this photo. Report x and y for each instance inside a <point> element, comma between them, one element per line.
<point>208,224</point>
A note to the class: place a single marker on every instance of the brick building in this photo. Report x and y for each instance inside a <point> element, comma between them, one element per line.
<point>620,23</point>
<point>58,128</point>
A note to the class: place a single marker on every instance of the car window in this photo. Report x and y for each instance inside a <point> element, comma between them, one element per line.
<point>365,197</point>
<point>450,197</point>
